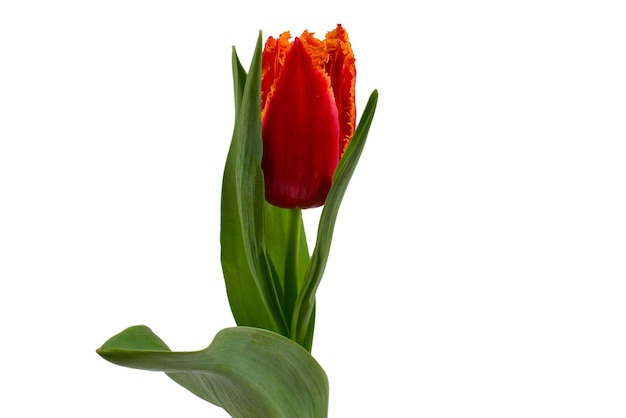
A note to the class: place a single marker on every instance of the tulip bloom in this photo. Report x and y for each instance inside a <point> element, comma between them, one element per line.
<point>308,115</point>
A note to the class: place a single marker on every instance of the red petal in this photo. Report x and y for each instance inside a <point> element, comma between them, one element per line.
<point>272,63</point>
<point>342,72</point>
<point>300,134</point>
<point>334,56</point>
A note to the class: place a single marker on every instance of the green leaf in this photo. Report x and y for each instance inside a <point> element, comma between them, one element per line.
<point>254,291</point>
<point>305,304</point>
<point>239,80</point>
<point>249,372</point>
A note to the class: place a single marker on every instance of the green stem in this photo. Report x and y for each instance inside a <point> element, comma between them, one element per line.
<point>292,261</point>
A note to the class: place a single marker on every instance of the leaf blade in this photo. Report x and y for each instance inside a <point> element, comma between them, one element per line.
<point>249,372</point>
<point>305,304</point>
<point>253,288</point>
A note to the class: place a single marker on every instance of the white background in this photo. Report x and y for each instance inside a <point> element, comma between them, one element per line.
<point>478,266</point>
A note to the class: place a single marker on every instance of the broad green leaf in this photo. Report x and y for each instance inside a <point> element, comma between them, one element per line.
<point>249,372</point>
<point>305,304</point>
<point>254,290</point>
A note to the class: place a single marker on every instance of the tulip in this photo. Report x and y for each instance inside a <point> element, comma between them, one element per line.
<point>307,115</point>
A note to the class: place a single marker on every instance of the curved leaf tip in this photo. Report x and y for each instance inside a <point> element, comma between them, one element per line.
<point>250,372</point>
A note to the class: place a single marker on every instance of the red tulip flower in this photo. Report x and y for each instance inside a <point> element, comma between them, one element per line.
<point>308,115</point>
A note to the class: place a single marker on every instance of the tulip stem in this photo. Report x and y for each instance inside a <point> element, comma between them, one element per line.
<point>292,261</point>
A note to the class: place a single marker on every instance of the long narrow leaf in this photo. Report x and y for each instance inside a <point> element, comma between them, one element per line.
<point>245,302</point>
<point>252,286</point>
<point>305,303</point>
